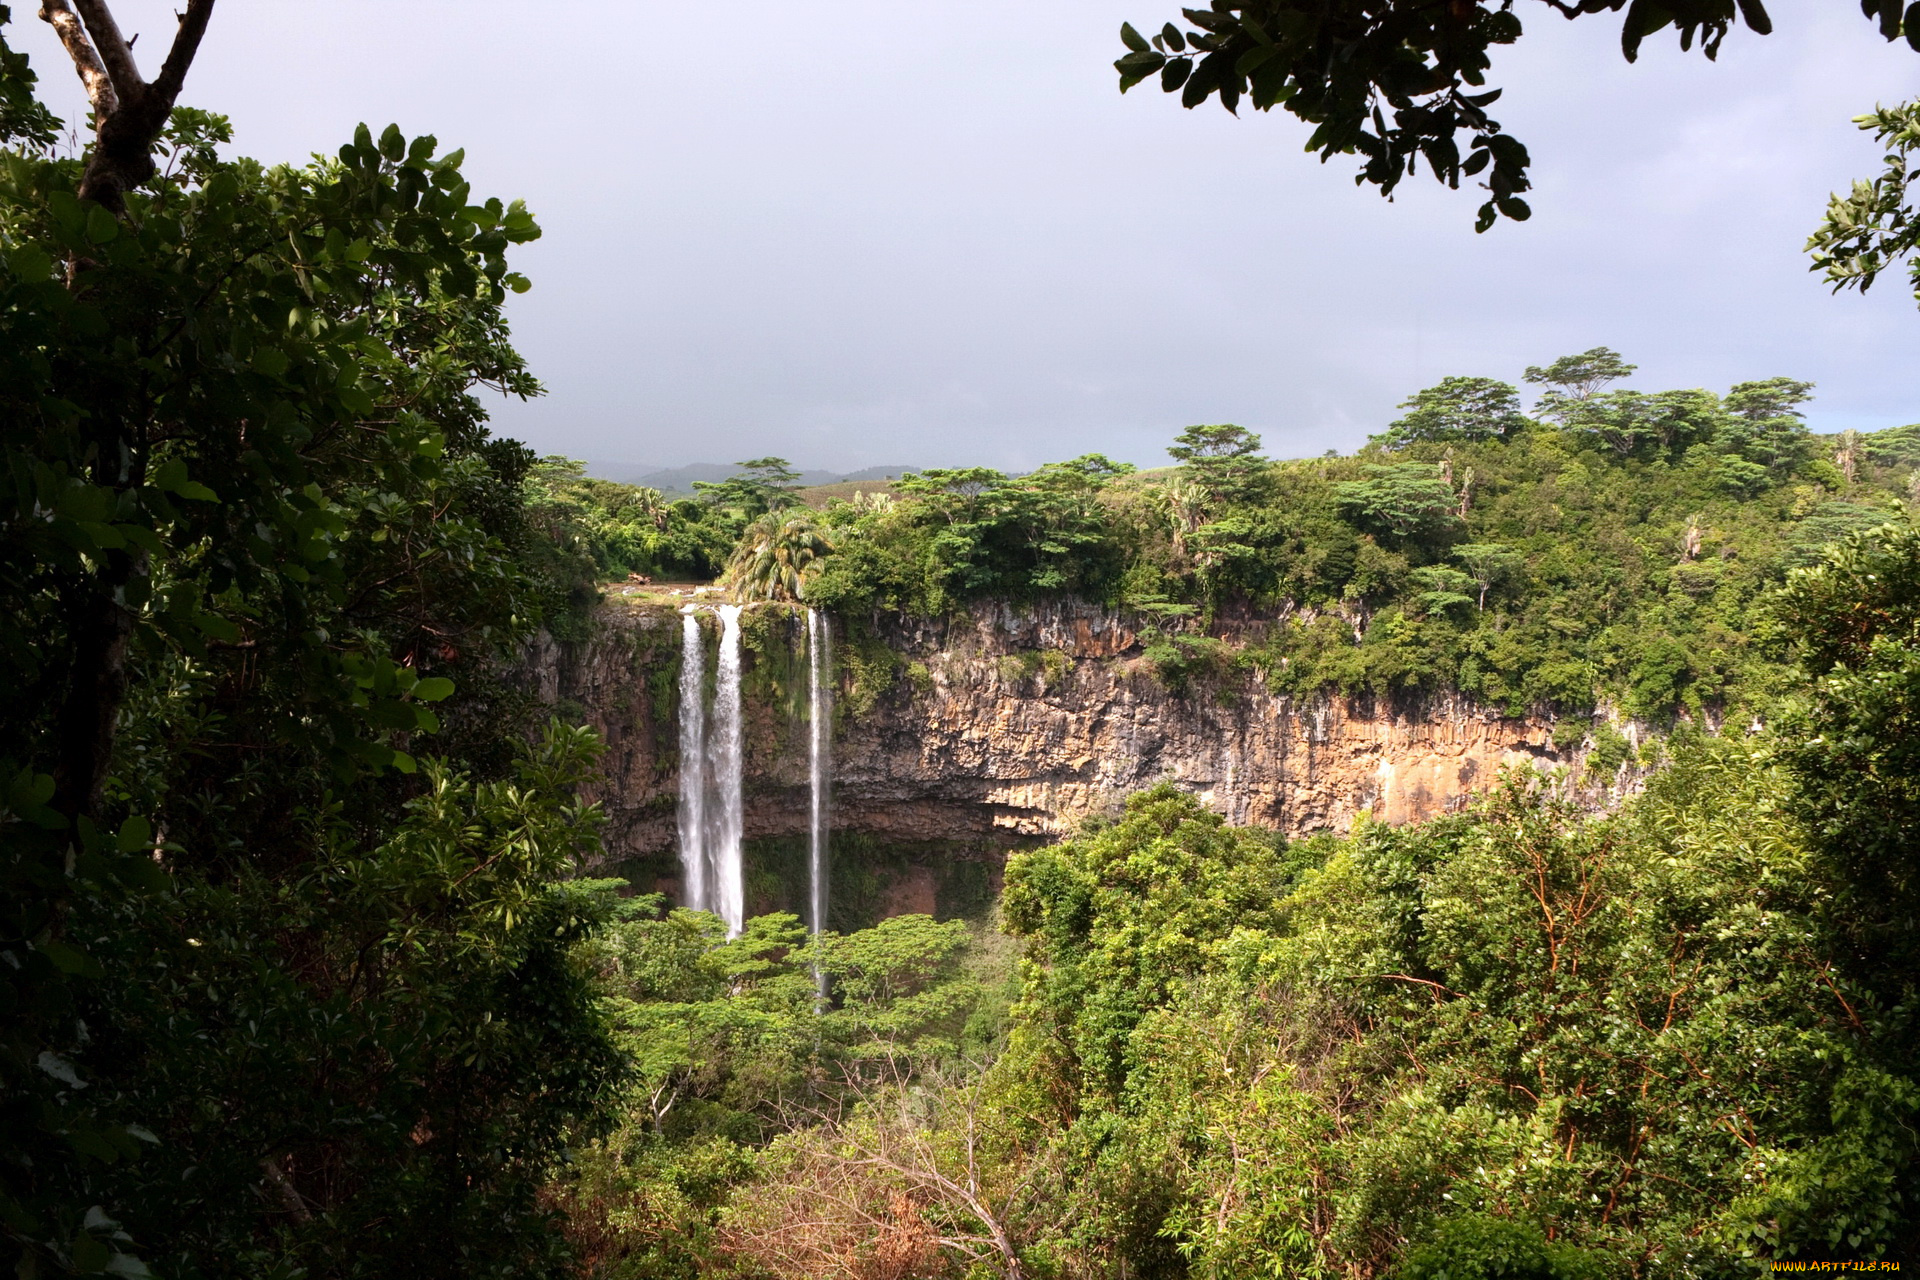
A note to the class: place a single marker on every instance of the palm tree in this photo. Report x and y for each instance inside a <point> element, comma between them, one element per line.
<point>774,556</point>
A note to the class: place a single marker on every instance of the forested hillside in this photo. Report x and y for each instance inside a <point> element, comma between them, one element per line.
<point>1605,546</point>
<point>1525,1040</point>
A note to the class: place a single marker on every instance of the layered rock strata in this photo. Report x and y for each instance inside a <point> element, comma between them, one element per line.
<point>1007,723</point>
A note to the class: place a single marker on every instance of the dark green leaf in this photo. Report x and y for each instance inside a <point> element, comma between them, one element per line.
<point>60,1069</point>
<point>30,263</point>
<point>70,959</point>
<point>136,834</point>
<point>101,225</point>
<point>90,1256</point>
<point>433,689</point>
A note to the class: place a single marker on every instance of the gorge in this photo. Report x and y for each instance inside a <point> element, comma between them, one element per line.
<point>996,727</point>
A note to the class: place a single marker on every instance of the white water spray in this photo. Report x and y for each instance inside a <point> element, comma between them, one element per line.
<point>819,759</point>
<point>727,894</point>
<point>693,763</point>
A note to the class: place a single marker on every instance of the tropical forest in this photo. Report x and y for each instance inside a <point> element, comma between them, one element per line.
<point>1487,848</point>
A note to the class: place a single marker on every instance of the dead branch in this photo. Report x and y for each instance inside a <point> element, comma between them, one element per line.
<point>868,1180</point>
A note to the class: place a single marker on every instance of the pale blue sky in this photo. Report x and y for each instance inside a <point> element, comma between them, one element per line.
<point>857,232</point>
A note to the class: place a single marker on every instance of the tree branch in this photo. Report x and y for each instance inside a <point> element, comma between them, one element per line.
<point>66,24</point>
<point>128,112</point>
<point>186,43</point>
<point>113,50</point>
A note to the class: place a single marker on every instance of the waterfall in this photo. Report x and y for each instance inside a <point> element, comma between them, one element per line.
<point>693,764</point>
<point>727,897</point>
<point>819,759</point>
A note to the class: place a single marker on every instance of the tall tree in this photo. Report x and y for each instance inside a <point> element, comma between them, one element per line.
<point>128,111</point>
<point>1458,409</point>
<point>1222,459</point>
<point>761,485</point>
<point>1572,380</point>
<point>1408,500</point>
<point>283,994</point>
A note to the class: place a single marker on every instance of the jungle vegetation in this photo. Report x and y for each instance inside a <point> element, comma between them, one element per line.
<point>1676,1040</point>
<point>1599,547</point>
<point>288,984</point>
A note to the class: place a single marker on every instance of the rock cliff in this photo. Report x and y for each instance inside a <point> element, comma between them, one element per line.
<point>1016,723</point>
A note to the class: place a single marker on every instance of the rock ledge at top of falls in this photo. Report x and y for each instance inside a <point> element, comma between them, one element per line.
<point>1020,722</point>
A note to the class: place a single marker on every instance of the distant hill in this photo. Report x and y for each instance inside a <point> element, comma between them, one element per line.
<point>678,481</point>
<point>876,473</point>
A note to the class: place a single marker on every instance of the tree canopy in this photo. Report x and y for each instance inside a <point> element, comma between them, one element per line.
<point>1614,552</point>
<point>283,847</point>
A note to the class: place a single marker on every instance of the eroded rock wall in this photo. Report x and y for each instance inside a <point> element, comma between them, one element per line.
<point>1020,723</point>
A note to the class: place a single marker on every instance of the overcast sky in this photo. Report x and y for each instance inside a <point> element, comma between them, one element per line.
<point>860,232</point>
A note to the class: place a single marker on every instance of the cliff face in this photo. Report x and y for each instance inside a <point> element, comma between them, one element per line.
<point>1018,723</point>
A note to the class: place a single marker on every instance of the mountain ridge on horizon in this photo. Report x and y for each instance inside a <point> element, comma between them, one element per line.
<point>680,480</point>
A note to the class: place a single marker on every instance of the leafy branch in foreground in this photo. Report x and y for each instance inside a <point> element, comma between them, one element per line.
<point>1874,226</point>
<point>1398,81</point>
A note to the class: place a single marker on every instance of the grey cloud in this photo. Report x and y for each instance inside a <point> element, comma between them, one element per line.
<point>863,232</point>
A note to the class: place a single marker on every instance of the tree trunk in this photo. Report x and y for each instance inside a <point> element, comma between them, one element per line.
<point>129,115</point>
<point>100,630</point>
<point>122,156</point>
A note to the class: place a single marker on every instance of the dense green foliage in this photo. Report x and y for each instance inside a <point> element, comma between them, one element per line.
<point>734,1046</point>
<point>612,530</point>
<point>972,532</point>
<point>296,983</point>
<point>1525,1040</point>
<point>288,982</point>
<point>1875,226</point>
<point>1611,549</point>
<point>1613,1028</point>
<point>1522,1040</point>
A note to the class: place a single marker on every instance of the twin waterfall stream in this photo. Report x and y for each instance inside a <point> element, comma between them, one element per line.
<point>711,757</point>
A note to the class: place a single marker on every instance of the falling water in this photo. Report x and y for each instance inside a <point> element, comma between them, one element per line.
<point>819,757</point>
<point>693,764</point>
<point>727,896</point>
